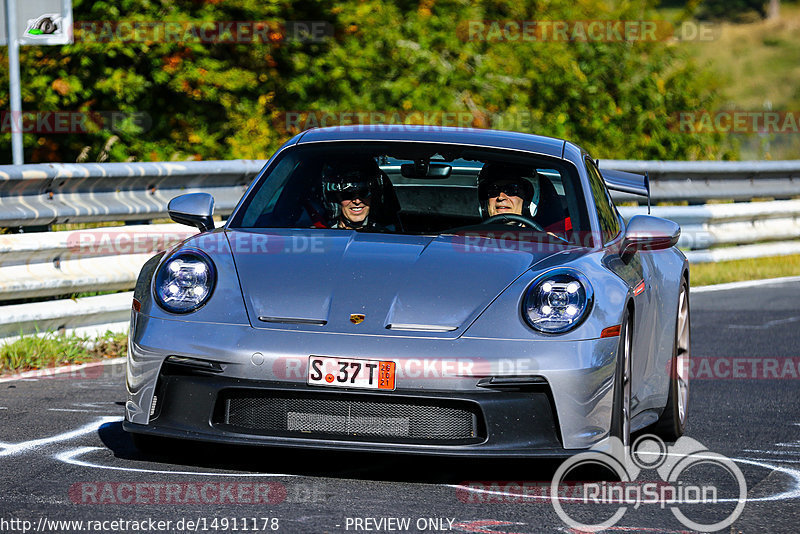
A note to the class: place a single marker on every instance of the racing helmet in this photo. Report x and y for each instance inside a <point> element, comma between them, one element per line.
<point>526,176</point>
<point>343,179</point>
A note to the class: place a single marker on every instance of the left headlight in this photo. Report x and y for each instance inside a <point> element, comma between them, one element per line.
<point>185,281</point>
<point>558,301</point>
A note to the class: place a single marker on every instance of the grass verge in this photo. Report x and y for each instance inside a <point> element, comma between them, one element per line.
<point>759,65</point>
<point>53,350</point>
<point>703,274</point>
<point>760,61</point>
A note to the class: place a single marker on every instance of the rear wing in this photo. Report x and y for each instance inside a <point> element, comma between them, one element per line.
<point>628,182</point>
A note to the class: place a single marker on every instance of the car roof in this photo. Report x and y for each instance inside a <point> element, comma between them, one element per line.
<point>538,144</point>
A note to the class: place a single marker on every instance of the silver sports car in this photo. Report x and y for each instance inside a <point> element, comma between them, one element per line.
<point>418,290</point>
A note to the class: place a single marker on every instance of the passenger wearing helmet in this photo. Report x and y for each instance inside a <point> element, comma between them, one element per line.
<point>351,190</point>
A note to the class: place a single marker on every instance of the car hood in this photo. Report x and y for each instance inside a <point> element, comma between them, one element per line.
<point>325,280</point>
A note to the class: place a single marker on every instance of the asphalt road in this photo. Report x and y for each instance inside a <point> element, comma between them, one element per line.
<point>64,456</point>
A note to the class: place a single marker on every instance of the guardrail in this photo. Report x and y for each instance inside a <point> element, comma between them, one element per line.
<point>43,194</point>
<point>697,182</point>
<point>53,264</point>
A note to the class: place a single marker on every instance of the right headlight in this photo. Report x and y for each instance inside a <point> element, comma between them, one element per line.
<point>185,281</point>
<point>557,301</point>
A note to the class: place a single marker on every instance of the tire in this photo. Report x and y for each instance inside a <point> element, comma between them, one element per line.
<point>672,423</point>
<point>621,417</point>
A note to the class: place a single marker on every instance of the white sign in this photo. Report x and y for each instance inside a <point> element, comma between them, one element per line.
<point>40,22</point>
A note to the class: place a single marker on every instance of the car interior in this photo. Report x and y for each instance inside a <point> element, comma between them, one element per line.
<point>424,190</point>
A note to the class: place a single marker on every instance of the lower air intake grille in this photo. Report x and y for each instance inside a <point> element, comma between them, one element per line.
<point>371,418</point>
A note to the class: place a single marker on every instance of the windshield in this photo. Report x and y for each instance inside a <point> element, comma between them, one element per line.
<point>415,188</point>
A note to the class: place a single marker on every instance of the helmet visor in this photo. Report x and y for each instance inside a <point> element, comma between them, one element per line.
<point>351,190</point>
<point>512,189</point>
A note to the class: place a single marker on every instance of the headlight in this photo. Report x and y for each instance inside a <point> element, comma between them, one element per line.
<point>558,301</point>
<point>185,281</point>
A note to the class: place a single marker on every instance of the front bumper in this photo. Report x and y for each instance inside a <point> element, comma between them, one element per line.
<point>511,424</point>
<point>569,411</point>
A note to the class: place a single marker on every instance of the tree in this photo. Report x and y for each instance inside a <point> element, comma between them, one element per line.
<point>187,98</point>
<point>774,10</point>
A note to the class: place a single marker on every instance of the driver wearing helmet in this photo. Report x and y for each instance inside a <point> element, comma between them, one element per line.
<point>508,189</point>
<point>519,192</point>
<point>352,192</point>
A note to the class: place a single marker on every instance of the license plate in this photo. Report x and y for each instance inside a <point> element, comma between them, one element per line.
<point>350,373</point>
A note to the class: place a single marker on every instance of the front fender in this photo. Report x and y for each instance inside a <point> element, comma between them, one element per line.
<point>225,306</point>
<point>503,318</point>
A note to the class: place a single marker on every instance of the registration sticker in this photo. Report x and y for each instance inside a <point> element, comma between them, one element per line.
<point>350,373</point>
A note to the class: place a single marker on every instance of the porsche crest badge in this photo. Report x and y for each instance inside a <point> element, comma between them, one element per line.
<point>356,318</point>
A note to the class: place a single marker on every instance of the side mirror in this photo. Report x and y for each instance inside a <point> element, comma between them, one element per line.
<point>194,209</point>
<point>645,232</point>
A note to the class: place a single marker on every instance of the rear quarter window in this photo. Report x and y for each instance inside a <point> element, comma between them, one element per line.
<point>606,212</point>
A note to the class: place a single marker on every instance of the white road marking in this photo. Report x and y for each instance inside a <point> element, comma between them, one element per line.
<point>764,326</point>
<point>792,493</point>
<point>26,446</point>
<point>780,461</point>
<point>787,453</point>
<point>73,410</point>
<point>71,457</point>
<point>746,283</point>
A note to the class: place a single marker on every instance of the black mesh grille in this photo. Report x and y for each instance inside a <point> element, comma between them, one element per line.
<point>366,417</point>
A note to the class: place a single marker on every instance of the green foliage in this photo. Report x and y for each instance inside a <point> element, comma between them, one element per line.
<point>199,100</point>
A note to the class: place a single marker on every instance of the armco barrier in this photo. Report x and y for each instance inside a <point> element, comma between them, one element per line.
<point>700,181</point>
<point>53,264</point>
<point>41,194</point>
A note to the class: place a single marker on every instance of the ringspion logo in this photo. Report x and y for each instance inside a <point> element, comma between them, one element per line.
<point>691,476</point>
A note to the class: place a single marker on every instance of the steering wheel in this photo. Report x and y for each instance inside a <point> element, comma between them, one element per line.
<point>505,217</point>
<point>513,217</point>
